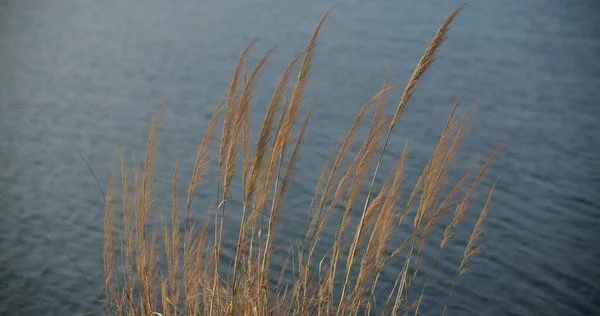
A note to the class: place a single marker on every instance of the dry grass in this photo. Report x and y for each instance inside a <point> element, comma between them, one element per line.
<point>344,279</point>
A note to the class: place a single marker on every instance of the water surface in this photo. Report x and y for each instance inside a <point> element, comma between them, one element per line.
<point>85,77</point>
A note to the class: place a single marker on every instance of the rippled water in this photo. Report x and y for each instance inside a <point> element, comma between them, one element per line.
<point>85,77</point>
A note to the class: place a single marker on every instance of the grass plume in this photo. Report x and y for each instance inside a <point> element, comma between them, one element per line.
<point>338,275</point>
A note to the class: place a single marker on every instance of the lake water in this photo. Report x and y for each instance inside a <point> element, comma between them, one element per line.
<point>85,77</point>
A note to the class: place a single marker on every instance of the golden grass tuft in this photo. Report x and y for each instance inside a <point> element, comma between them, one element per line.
<point>342,280</point>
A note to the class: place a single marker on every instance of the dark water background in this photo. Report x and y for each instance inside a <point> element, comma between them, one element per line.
<point>85,77</point>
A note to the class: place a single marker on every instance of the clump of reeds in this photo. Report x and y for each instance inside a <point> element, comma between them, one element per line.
<point>344,279</point>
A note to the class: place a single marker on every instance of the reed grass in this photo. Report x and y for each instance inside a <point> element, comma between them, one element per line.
<point>342,280</point>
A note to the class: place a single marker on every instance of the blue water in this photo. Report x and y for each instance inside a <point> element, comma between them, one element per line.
<point>84,77</point>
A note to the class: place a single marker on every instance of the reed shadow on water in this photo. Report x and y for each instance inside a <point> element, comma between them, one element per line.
<point>322,277</point>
